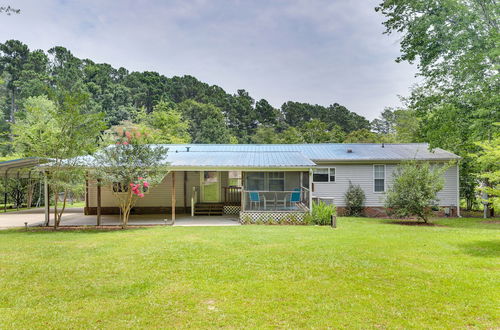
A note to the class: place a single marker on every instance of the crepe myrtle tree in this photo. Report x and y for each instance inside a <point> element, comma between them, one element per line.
<point>130,166</point>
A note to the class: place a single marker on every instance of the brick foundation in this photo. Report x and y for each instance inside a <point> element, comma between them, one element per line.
<point>380,212</point>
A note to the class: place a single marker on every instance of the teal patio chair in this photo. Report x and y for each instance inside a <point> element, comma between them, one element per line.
<point>254,199</point>
<point>295,197</point>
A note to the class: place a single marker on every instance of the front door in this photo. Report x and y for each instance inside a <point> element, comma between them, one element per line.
<point>210,186</point>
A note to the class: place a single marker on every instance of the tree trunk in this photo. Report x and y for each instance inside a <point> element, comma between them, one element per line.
<point>31,188</point>
<point>56,200</point>
<point>12,107</point>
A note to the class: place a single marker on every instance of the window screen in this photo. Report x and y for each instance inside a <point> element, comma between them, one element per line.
<point>255,181</point>
<point>276,181</point>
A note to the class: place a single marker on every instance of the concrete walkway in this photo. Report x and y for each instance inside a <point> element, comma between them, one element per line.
<point>75,217</point>
<point>34,217</point>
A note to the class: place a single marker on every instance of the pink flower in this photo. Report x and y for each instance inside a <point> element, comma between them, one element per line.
<point>137,134</point>
<point>145,184</point>
<point>128,135</point>
<point>125,143</point>
<point>117,143</point>
<point>132,185</point>
<point>140,178</point>
<point>141,195</point>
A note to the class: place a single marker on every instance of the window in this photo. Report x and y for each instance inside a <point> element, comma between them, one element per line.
<point>276,181</point>
<point>332,174</point>
<point>324,175</point>
<point>234,178</point>
<point>379,178</point>
<point>118,187</point>
<point>268,181</point>
<point>123,188</point>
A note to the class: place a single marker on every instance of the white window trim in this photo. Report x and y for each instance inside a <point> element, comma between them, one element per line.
<point>329,168</point>
<point>385,179</point>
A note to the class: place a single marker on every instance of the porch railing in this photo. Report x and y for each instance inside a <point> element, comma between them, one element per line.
<point>292,200</point>
<point>232,195</point>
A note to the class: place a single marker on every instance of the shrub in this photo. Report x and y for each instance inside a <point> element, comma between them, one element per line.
<point>414,190</point>
<point>321,214</point>
<point>354,200</point>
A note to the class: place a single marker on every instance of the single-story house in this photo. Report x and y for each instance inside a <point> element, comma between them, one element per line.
<point>277,180</point>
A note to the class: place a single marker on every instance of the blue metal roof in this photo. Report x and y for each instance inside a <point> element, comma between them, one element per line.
<point>290,155</point>
<point>326,152</point>
<point>237,159</point>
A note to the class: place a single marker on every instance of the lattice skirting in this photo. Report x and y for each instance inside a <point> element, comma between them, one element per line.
<point>272,218</point>
<point>232,209</point>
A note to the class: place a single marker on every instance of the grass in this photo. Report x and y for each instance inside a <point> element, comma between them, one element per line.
<point>11,208</point>
<point>366,273</point>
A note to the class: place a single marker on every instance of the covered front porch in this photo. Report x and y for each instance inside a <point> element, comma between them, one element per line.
<point>208,193</point>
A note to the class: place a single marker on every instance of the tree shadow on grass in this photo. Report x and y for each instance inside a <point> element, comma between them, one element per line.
<point>487,249</point>
<point>75,230</point>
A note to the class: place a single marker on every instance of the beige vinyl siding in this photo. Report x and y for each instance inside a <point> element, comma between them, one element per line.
<point>362,174</point>
<point>158,196</point>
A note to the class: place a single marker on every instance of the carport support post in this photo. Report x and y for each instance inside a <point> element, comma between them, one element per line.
<point>5,192</point>
<point>46,198</point>
<point>173,197</point>
<point>98,202</point>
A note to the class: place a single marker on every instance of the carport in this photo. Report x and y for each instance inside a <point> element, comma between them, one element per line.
<point>23,168</point>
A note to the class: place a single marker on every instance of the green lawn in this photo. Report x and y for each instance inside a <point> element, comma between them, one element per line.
<point>366,273</point>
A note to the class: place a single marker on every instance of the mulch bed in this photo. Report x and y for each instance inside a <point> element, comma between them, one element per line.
<point>491,221</point>
<point>412,223</point>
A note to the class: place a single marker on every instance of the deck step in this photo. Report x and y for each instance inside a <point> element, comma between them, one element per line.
<point>209,209</point>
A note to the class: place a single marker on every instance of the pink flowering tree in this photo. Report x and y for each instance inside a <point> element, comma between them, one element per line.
<point>130,167</point>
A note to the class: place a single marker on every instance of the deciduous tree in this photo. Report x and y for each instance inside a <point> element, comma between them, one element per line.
<point>60,133</point>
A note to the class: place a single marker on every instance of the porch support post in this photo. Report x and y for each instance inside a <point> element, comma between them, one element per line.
<point>310,190</point>
<point>173,197</point>
<point>86,210</point>
<point>185,191</point>
<point>193,192</point>
<point>98,202</point>
<point>46,198</point>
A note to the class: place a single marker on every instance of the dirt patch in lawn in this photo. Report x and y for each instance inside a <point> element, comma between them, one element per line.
<point>491,221</point>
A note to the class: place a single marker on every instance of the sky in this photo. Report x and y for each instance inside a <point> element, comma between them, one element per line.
<point>314,51</point>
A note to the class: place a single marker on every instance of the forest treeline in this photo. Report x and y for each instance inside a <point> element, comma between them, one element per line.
<point>177,109</point>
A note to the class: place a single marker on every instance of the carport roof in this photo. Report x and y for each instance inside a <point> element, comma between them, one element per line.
<point>11,167</point>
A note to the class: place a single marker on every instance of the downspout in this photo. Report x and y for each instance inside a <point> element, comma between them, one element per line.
<point>310,191</point>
